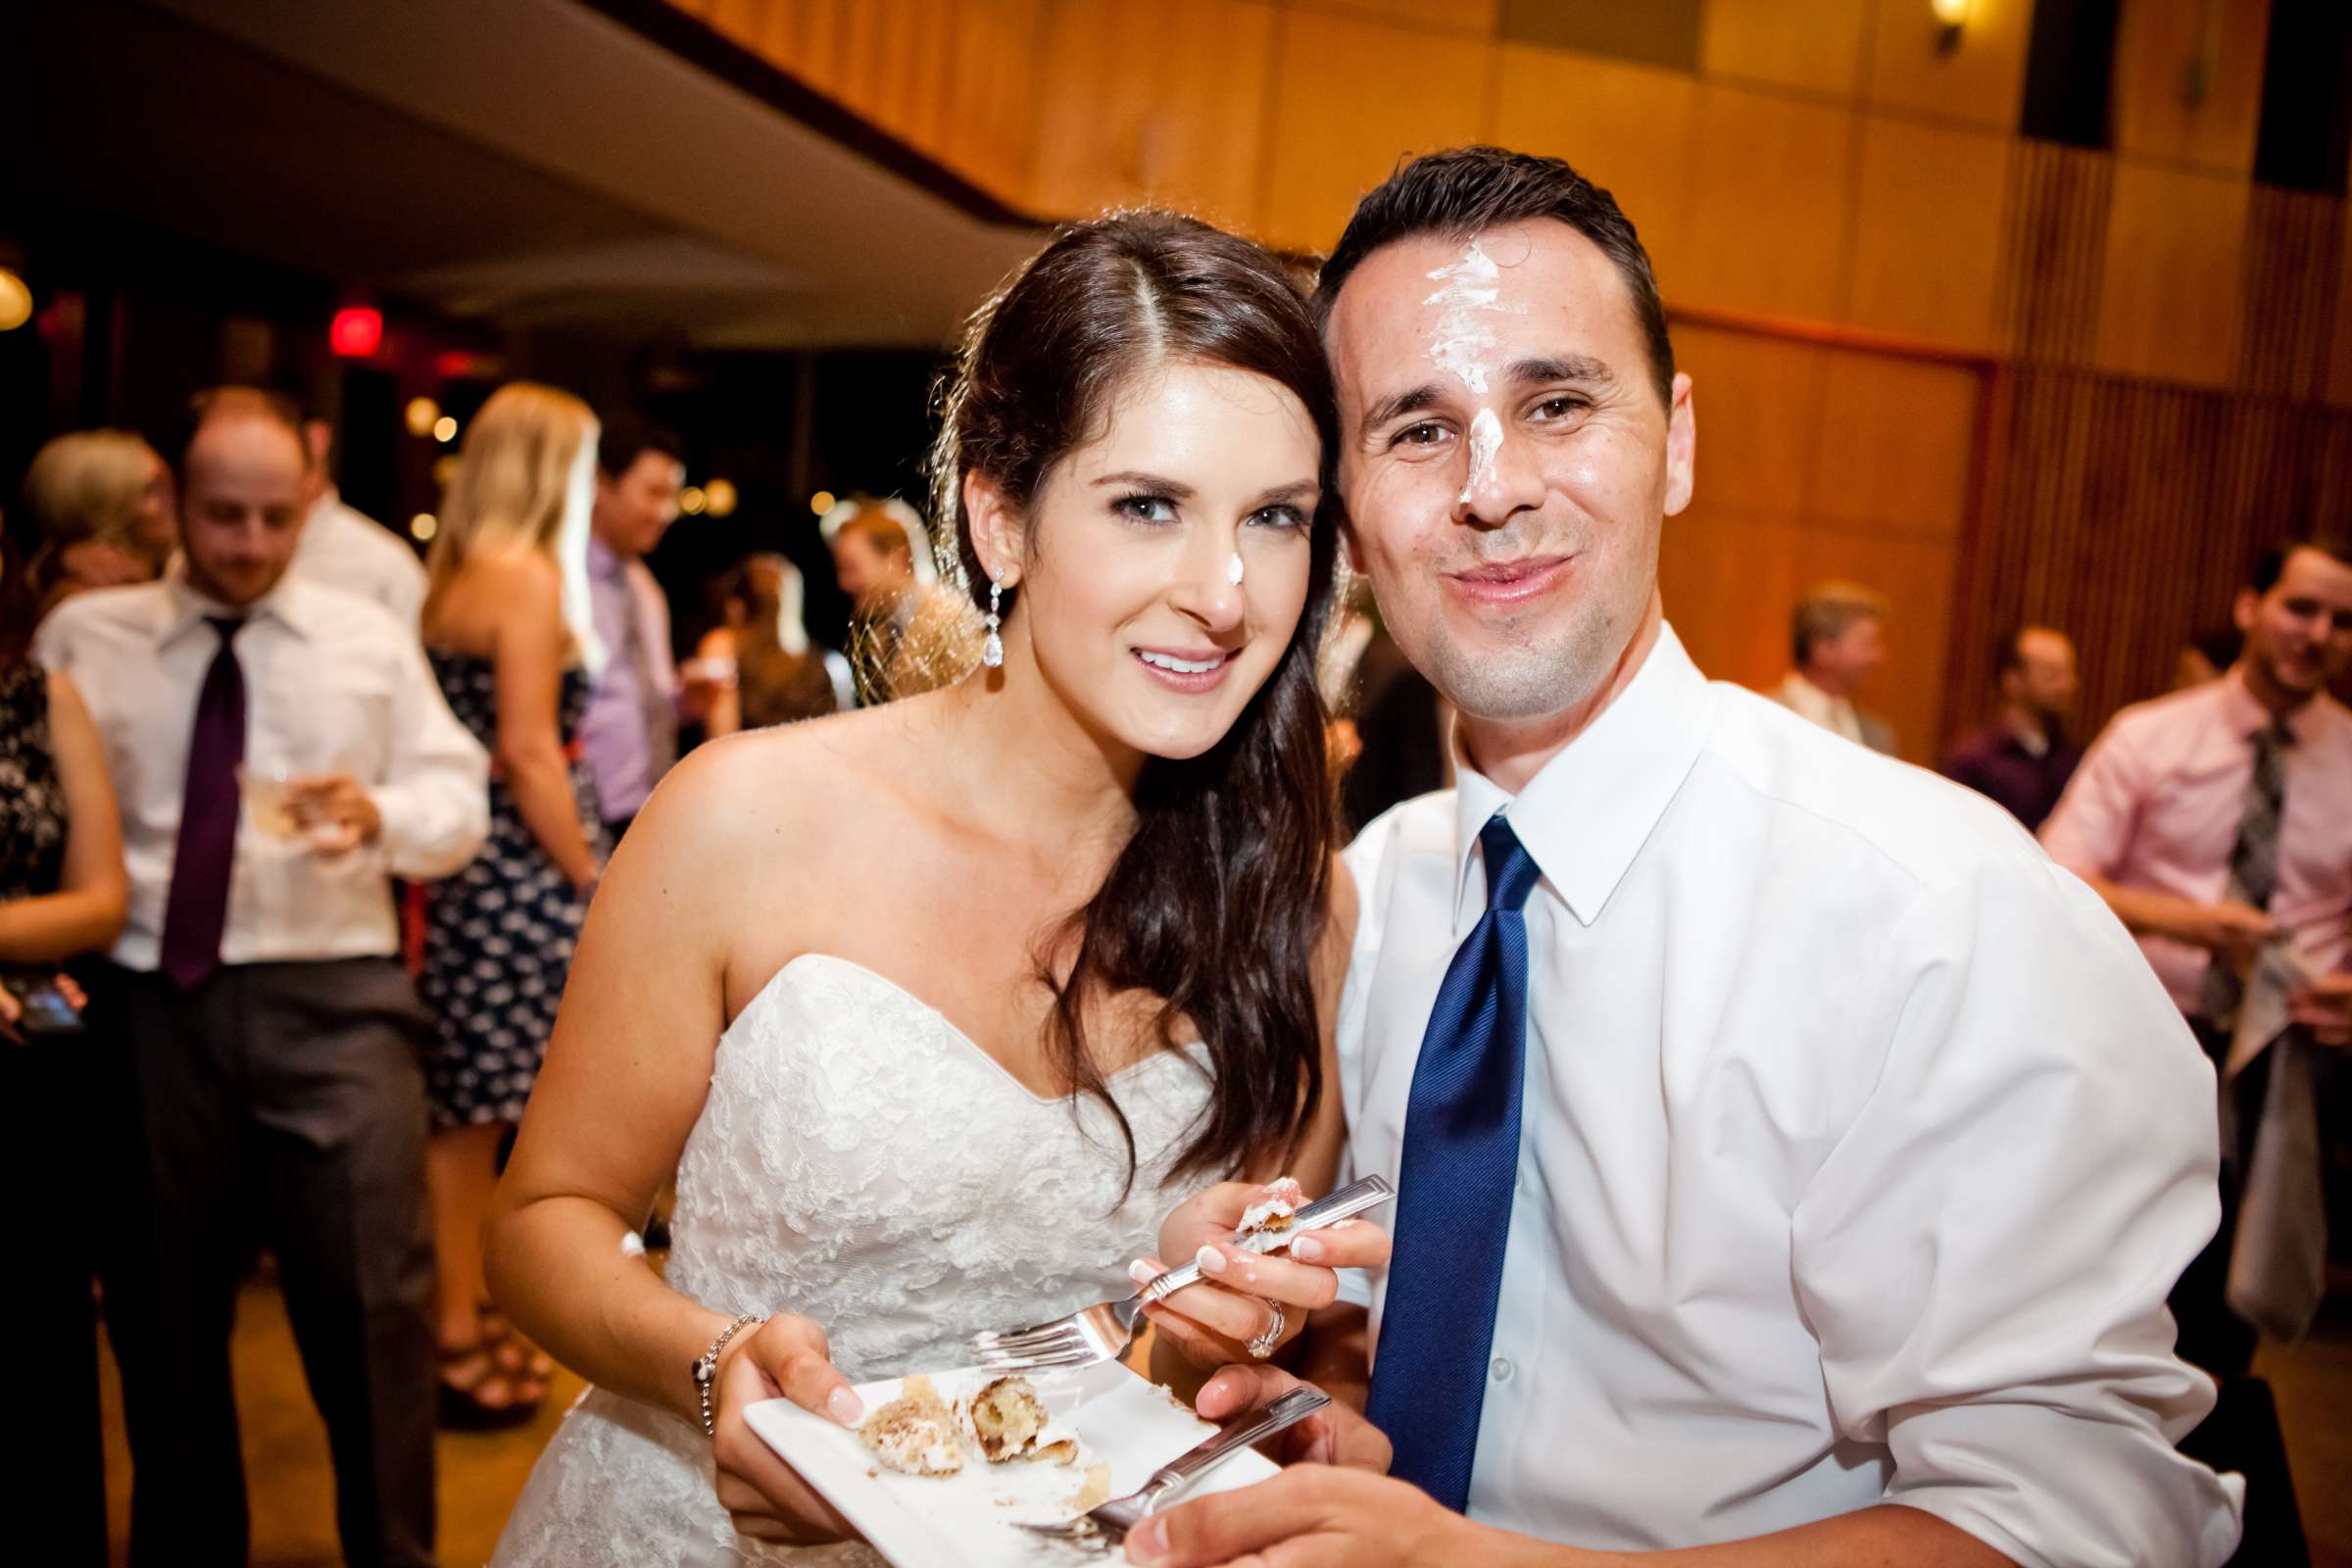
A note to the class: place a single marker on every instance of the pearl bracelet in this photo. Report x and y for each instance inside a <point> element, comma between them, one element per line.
<point>704,1370</point>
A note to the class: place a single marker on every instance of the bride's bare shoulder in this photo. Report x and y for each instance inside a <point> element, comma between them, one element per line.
<point>803,779</point>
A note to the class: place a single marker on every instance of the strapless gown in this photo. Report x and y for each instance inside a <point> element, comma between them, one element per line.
<point>864,1163</point>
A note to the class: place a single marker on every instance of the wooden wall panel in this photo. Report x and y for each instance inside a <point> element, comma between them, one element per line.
<point>2169,292</point>
<point>1814,44</point>
<point>1626,127</point>
<point>1766,231</point>
<point>2339,358</point>
<point>1757,401</point>
<point>2126,514</point>
<point>1195,140</point>
<point>2158,46</point>
<point>1729,579</point>
<point>1896,445</point>
<point>1928,233</point>
<point>1472,18</point>
<point>1980,80</point>
<point>1351,99</point>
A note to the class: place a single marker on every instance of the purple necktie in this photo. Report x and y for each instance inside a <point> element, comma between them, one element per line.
<point>196,912</point>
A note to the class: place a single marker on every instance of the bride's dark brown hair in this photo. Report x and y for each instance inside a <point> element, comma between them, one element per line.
<point>1215,906</point>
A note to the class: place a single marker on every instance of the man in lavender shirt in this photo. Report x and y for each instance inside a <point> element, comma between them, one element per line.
<point>630,735</point>
<point>2217,824</point>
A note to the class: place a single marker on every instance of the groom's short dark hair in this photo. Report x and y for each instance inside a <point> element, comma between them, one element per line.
<point>1469,190</point>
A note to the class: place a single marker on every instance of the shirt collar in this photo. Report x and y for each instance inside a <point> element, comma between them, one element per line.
<point>1589,812</point>
<point>2247,717</point>
<point>282,603</point>
<point>604,562</point>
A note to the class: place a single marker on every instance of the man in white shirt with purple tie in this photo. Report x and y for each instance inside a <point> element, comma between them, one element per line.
<point>1793,1162</point>
<point>279,751</point>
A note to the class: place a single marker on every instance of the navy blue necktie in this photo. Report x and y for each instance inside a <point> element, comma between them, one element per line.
<point>1454,1182</point>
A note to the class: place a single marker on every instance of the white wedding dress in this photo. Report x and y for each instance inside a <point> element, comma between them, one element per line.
<point>861,1162</point>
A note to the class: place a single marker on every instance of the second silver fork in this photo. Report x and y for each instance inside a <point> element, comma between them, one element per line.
<point>1106,1525</point>
<point>1104,1332</point>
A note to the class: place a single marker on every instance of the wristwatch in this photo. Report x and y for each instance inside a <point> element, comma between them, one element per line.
<point>706,1368</point>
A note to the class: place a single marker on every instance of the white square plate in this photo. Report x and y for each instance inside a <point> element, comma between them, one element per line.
<point>967,1520</point>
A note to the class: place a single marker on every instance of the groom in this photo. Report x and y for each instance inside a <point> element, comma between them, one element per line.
<point>1792,1160</point>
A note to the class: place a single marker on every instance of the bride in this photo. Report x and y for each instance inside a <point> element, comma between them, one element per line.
<point>936,1010</point>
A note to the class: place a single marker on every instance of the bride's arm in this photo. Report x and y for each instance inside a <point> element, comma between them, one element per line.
<point>625,1079</point>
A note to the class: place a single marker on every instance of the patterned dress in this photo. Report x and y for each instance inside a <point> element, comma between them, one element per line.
<point>499,935</point>
<point>32,805</point>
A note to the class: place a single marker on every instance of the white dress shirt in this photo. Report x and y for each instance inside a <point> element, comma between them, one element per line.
<point>1859,1148</point>
<point>334,683</point>
<point>342,547</point>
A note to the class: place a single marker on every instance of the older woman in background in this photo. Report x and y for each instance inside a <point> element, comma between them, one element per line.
<point>99,507</point>
<point>507,625</point>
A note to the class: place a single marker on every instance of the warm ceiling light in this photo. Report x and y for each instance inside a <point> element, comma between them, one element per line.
<point>421,414</point>
<point>356,333</point>
<point>16,301</point>
<point>691,500</point>
<point>445,430</point>
<point>821,503</point>
<point>1951,12</point>
<point>719,498</point>
<point>424,526</point>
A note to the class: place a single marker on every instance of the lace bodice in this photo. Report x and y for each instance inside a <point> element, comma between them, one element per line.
<point>861,1162</point>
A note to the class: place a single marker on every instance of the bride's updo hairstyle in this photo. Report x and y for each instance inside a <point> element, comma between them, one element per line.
<point>1216,903</point>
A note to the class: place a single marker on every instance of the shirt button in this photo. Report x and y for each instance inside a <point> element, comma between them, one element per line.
<point>1502,1369</point>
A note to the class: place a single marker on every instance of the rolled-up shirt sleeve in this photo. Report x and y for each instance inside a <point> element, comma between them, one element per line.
<point>2089,829</point>
<point>1986,1252</point>
<point>435,794</point>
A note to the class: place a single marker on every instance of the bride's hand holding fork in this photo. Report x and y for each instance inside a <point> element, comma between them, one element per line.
<point>1248,1305</point>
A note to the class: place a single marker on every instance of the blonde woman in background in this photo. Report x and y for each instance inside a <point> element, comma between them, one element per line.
<point>99,502</point>
<point>760,662</point>
<point>506,625</point>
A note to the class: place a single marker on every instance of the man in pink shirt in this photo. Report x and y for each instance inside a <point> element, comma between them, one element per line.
<point>2217,822</point>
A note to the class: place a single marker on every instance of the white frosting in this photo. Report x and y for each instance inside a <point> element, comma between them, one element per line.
<point>1486,440</point>
<point>1471,289</point>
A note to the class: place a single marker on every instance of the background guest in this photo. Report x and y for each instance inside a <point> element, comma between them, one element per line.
<point>62,893</point>
<point>769,674</point>
<point>1837,636</point>
<point>508,653</point>
<point>2023,757</point>
<point>907,634</point>
<point>98,504</point>
<point>2217,824</point>
<point>343,547</point>
<point>280,752</point>
<point>1402,729</point>
<point>631,732</point>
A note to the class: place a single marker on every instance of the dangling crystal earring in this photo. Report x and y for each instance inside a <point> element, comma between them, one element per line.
<point>992,652</point>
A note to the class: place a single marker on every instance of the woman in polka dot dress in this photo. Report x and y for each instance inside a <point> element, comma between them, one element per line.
<point>506,626</point>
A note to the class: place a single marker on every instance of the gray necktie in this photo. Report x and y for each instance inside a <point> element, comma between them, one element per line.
<point>2253,866</point>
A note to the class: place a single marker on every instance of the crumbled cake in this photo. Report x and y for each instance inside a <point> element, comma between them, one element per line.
<point>1007,1419</point>
<point>1096,1492</point>
<point>914,1434</point>
<point>1276,1205</point>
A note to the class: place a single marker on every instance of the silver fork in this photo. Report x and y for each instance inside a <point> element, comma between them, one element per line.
<point>1103,1332</point>
<point>1105,1526</point>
